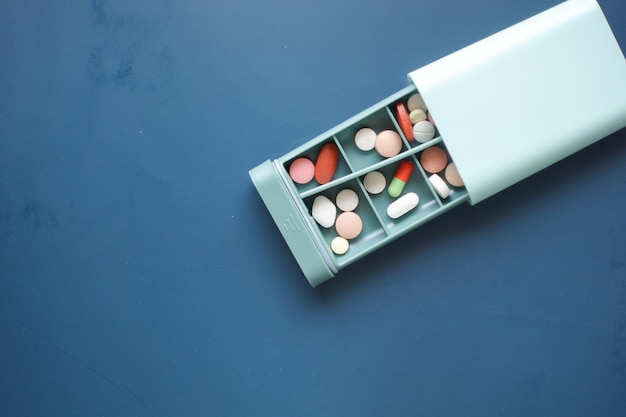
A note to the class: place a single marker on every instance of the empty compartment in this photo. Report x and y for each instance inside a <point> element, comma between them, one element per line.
<point>377,121</point>
<point>416,183</point>
<point>330,227</point>
<point>305,168</point>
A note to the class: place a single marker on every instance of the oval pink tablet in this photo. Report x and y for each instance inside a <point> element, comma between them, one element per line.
<point>388,143</point>
<point>434,159</point>
<point>302,170</point>
<point>348,225</point>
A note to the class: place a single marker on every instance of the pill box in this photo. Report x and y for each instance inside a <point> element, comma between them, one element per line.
<point>532,80</point>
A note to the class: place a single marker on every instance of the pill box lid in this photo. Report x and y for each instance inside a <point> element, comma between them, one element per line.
<point>528,96</point>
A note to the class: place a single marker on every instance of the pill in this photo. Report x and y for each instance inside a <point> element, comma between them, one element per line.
<point>301,170</point>
<point>416,102</point>
<point>347,200</point>
<point>434,159</point>
<point>348,225</point>
<point>374,182</point>
<point>423,131</point>
<point>404,121</point>
<point>339,245</point>
<point>439,185</point>
<point>429,115</point>
<point>417,115</point>
<point>388,143</point>
<point>326,163</point>
<point>365,138</point>
<point>400,178</point>
<point>403,205</point>
<point>324,211</point>
<point>452,175</point>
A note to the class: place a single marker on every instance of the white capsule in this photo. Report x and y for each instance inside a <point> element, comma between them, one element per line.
<point>439,185</point>
<point>324,211</point>
<point>403,205</point>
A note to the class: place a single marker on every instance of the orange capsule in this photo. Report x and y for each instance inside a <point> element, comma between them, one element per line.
<point>326,163</point>
<point>400,178</point>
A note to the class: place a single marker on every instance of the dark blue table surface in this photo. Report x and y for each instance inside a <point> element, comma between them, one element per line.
<point>141,275</point>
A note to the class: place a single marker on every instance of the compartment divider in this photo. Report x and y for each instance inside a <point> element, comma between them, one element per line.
<point>373,207</point>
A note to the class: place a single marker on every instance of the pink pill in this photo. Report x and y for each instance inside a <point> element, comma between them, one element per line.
<point>434,159</point>
<point>348,225</point>
<point>388,143</point>
<point>302,170</point>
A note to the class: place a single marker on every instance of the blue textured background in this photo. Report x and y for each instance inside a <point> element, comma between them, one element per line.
<point>141,275</point>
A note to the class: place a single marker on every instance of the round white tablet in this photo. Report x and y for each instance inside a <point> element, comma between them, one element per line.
<point>374,182</point>
<point>423,131</point>
<point>365,139</point>
<point>347,200</point>
<point>439,185</point>
<point>416,102</point>
<point>339,245</point>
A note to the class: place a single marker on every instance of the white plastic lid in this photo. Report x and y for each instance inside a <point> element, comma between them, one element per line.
<point>528,96</point>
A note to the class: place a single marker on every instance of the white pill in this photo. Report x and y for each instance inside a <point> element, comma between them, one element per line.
<point>347,200</point>
<point>365,139</point>
<point>423,131</point>
<point>374,182</point>
<point>324,211</point>
<point>403,205</point>
<point>416,102</point>
<point>339,245</point>
<point>439,185</point>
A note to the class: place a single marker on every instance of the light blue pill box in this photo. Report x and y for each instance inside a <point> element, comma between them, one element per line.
<point>531,79</point>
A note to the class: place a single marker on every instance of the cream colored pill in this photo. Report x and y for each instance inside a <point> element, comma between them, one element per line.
<point>365,138</point>
<point>439,185</point>
<point>423,131</point>
<point>348,225</point>
<point>416,102</point>
<point>403,205</point>
<point>339,245</point>
<point>347,200</point>
<point>374,182</point>
<point>452,175</point>
<point>417,115</point>
<point>324,211</point>
<point>388,143</point>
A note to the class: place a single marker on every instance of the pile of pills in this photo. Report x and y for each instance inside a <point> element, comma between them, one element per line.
<point>387,142</point>
<point>302,170</point>
<point>348,223</point>
<point>434,160</point>
<point>375,183</point>
<point>415,120</point>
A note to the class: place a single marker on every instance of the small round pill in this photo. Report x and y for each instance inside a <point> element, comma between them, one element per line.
<point>423,131</point>
<point>302,170</point>
<point>439,185</point>
<point>339,245</point>
<point>374,182</point>
<point>416,102</point>
<point>365,139</point>
<point>324,211</point>
<point>452,175</point>
<point>388,143</point>
<point>417,115</point>
<point>347,200</point>
<point>348,225</point>
<point>434,159</point>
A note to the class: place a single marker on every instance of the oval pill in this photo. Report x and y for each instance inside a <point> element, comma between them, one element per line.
<point>403,205</point>
<point>434,159</point>
<point>423,131</point>
<point>326,163</point>
<point>302,170</point>
<point>452,175</point>
<point>374,182</point>
<point>324,211</point>
<point>439,185</point>
<point>417,115</point>
<point>416,102</point>
<point>348,225</point>
<point>388,143</point>
<point>339,245</point>
<point>347,200</point>
<point>365,138</point>
<point>404,121</point>
<point>400,178</point>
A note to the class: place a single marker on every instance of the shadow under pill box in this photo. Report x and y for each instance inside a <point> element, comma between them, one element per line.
<point>418,153</point>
